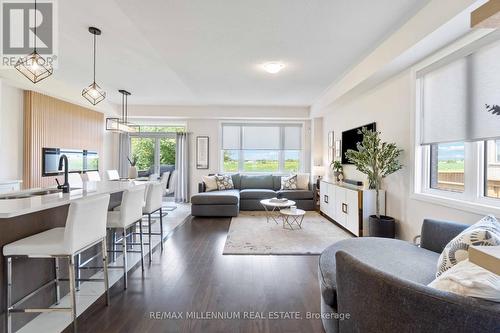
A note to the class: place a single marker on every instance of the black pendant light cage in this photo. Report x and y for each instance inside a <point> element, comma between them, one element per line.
<point>33,66</point>
<point>94,93</point>
<point>122,125</point>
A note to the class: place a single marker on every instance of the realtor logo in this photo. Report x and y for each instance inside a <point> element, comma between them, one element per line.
<point>19,26</point>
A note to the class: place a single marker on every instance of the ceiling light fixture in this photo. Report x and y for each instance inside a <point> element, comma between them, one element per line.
<point>93,93</point>
<point>273,67</point>
<point>122,125</point>
<point>34,66</point>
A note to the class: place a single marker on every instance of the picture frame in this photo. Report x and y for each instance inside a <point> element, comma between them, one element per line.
<point>331,137</point>
<point>338,148</point>
<point>202,152</point>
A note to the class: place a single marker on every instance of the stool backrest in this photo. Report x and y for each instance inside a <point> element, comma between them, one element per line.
<point>75,180</point>
<point>131,206</point>
<point>93,176</point>
<point>86,222</point>
<point>164,180</point>
<point>153,197</point>
<point>172,183</point>
<point>112,175</point>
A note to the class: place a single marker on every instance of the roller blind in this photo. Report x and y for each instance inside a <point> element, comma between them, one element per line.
<point>454,98</point>
<point>293,138</point>
<point>261,137</point>
<point>231,137</point>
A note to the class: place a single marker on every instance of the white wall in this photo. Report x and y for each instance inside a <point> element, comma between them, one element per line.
<point>11,132</point>
<point>389,105</point>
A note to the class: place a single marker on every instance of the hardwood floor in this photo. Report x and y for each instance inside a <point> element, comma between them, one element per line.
<point>192,277</point>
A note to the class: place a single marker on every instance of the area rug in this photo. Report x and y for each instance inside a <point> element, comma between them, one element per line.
<point>250,233</point>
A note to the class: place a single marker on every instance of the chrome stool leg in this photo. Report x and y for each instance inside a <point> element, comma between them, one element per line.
<point>8,294</point>
<point>58,289</point>
<point>124,251</point>
<point>105,266</point>
<point>142,244</point>
<point>113,239</point>
<point>150,244</point>
<point>161,230</point>
<point>77,271</point>
<point>72,290</point>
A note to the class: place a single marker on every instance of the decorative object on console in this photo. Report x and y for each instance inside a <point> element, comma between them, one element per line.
<point>485,232</point>
<point>318,171</point>
<point>132,170</point>
<point>337,169</point>
<point>202,152</point>
<point>93,93</point>
<point>289,182</point>
<point>377,160</point>
<point>34,66</point>
<point>224,182</point>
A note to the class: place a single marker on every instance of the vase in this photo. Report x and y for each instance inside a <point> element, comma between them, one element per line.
<point>382,227</point>
<point>132,172</point>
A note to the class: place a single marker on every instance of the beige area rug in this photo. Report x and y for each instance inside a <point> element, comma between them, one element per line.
<point>250,233</point>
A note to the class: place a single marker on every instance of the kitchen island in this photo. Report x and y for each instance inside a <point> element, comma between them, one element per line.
<point>28,212</point>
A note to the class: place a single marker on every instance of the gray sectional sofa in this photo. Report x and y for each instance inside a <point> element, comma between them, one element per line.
<point>382,284</point>
<point>248,192</point>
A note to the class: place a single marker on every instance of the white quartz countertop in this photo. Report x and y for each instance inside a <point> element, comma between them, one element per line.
<point>17,207</point>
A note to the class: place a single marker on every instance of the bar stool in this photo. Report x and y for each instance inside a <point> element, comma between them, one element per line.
<point>153,204</point>
<point>124,217</point>
<point>112,175</point>
<point>85,228</point>
<point>93,176</point>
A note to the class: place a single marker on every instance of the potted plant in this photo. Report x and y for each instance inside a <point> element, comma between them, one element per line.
<point>132,170</point>
<point>377,160</point>
<point>337,169</point>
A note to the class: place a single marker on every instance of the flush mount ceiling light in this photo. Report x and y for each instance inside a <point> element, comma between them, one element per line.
<point>273,67</point>
<point>93,93</point>
<point>121,125</point>
<point>34,66</point>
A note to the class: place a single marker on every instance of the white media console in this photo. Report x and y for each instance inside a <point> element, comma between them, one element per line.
<point>348,205</point>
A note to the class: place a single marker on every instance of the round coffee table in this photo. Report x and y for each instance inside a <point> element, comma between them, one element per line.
<point>273,208</point>
<point>291,217</point>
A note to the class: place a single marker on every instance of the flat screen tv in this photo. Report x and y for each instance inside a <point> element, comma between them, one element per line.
<point>351,138</point>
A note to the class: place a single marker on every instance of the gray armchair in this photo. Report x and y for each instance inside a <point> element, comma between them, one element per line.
<point>382,285</point>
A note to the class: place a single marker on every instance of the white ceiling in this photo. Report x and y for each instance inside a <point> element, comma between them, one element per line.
<point>207,52</point>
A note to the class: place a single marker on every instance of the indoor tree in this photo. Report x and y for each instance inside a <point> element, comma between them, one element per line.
<point>375,159</point>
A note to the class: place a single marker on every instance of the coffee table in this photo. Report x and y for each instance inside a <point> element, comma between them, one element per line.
<point>291,217</point>
<point>273,208</point>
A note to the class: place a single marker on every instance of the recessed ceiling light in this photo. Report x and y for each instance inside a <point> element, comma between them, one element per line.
<point>273,67</point>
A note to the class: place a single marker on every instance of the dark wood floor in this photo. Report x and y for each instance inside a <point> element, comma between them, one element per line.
<point>192,275</point>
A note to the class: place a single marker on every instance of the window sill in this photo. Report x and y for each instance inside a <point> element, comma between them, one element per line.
<point>466,206</point>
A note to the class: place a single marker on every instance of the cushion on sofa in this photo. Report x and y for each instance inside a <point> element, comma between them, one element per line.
<point>392,256</point>
<point>228,197</point>
<point>256,182</point>
<point>236,180</point>
<point>296,194</point>
<point>277,182</point>
<point>257,194</point>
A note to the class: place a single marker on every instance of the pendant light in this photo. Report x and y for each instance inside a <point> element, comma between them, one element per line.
<point>122,125</point>
<point>34,66</point>
<point>93,93</point>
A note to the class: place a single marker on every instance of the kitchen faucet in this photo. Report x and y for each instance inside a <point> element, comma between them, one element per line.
<point>65,187</point>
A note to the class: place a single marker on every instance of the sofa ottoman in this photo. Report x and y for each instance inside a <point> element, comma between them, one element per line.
<point>216,203</point>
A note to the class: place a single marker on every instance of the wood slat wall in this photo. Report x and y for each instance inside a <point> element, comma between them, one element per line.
<point>52,123</point>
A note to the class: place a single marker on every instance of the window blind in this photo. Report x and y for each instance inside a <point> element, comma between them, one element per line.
<point>231,137</point>
<point>454,98</point>
<point>261,137</point>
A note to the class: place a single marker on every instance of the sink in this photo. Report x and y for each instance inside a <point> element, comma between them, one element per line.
<point>31,194</point>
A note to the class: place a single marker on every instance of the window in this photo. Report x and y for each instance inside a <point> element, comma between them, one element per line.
<point>458,141</point>
<point>447,165</point>
<point>261,147</point>
<point>492,170</point>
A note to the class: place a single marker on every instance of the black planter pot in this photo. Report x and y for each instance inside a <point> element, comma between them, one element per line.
<point>383,227</point>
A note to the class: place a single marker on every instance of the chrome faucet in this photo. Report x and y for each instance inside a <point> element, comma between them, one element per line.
<point>65,187</point>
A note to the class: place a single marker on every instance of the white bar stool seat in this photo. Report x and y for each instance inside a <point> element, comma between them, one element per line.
<point>154,198</point>
<point>85,228</point>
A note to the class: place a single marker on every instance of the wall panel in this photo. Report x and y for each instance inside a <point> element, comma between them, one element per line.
<point>52,123</point>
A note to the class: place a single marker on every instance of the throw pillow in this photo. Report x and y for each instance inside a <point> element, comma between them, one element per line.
<point>224,182</point>
<point>485,232</point>
<point>303,181</point>
<point>469,279</point>
<point>210,183</point>
<point>289,183</point>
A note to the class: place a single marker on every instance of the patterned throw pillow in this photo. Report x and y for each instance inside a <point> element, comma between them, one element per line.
<point>224,182</point>
<point>289,183</point>
<point>486,232</point>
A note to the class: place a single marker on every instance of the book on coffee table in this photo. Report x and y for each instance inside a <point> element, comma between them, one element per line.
<point>276,200</point>
<point>488,257</point>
